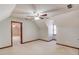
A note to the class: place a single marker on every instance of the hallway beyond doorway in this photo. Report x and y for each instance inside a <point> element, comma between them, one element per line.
<point>16,32</point>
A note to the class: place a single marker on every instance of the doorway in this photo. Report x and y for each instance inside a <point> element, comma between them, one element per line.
<point>16,33</point>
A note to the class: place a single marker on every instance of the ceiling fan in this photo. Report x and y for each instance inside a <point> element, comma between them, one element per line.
<point>31,15</point>
<point>38,16</point>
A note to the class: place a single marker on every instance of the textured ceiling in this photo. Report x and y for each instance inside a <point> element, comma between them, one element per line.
<point>57,12</point>
<point>6,10</point>
<point>50,9</point>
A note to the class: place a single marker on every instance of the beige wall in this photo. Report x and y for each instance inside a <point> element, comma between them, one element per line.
<point>43,29</point>
<point>68,28</point>
<point>5,33</point>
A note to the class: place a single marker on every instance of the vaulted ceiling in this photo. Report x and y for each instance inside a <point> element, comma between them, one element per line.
<point>58,12</point>
<point>50,9</point>
<point>6,10</point>
<point>62,15</point>
<point>29,9</point>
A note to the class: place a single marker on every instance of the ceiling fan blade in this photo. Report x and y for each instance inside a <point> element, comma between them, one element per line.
<point>52,10</point>
<point>21,12</point>
<point>44,14</point>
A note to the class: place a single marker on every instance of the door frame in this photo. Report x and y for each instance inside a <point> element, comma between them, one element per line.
<point>21,30</point>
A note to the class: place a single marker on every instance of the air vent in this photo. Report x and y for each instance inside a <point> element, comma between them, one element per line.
<point>69,6</point>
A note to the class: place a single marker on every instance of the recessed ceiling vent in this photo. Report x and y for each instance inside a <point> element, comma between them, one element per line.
<point>69,6</point>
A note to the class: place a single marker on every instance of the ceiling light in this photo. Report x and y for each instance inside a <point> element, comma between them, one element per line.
<point>37,18</point>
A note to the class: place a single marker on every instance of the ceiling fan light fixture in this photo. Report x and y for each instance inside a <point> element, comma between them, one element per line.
<point>36,18</point>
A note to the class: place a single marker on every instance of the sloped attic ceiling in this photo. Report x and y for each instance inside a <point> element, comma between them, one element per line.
<point>70,19</point>
<point>58,12</point>
<point>6,10</point>
<point>25,10</point>
<point>51,10</point>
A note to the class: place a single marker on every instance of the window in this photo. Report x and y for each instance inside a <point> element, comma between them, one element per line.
<point>54,29</point>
